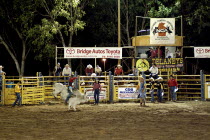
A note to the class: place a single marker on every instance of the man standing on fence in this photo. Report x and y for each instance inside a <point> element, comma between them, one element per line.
<point>98,70</point>
<point>172,83</point>
<point>18,97</point>
<point>66,72</point>
<point>57,71</point>
<point>154,71</point>
<point>118,70</point>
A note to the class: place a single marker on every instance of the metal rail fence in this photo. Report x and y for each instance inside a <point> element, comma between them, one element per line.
<point>38,89</point>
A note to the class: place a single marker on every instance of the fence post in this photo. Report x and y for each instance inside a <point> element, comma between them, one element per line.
<point>2,93</point>
<point>110,87</point>
<point>202,85</point>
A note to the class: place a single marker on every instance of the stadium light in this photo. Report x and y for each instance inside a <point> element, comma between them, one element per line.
<point>104,63</point>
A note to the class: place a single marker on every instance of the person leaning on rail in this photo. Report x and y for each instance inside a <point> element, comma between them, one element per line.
<point>66,72</point>
<point>18,96</point>
<point>153,71</point>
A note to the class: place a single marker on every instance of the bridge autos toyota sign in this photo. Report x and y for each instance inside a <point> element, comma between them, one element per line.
<point>93,52</point>
<point>202,52</point>
<point>162,30</point>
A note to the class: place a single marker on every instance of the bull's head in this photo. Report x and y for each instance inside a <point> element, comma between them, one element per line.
<point>57,88</point>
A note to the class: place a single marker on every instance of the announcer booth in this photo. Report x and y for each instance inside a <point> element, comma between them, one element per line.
<point>163,39</point>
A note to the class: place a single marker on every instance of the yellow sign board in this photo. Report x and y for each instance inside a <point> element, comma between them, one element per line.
<point>142,65</point>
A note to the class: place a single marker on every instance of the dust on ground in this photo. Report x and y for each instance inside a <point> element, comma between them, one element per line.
<point>119,121</point>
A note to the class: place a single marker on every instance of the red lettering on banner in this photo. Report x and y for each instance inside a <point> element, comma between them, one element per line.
<point>207,50</point>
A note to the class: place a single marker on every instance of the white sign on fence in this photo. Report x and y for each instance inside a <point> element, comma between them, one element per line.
<point>127,93</point>
<point>93,52</point>
<point>90,94</point>
<point>202,52</point>
<point>162,30</point>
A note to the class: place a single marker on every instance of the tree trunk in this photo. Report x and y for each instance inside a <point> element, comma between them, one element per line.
<point>127,24</point>
<point>11,54</point>
<point>70,44</point>
<point>23,58</point>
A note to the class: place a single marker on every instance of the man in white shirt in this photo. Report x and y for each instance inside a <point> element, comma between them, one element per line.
<point>168,53</point>
<point>154,71</point>
<point>98,70</point>
<point>66,72</point>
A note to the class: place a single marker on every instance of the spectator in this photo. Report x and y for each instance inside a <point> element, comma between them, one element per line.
<point>149,52</point>
<point>93,76</point>
<point>178,53</point>
<point>168,53</point>
<point>98,70</point>
<point>66,72</point>
<point>57,70</point>
<point>153,53</point>
<point>89,70</point>
<point>118,70</point>
<point>159,86</point>
<point>154,71</point>
<point>160,53</point>
<point>134,72</point>
<point>97,90</point>
<point>141,87</point>
<point>172,83</point>
<point>152,87</point>
<point>18,97</point>
<point>1,75</point>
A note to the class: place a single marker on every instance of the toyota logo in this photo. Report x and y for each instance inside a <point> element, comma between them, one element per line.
<point>70,51</point>
<point>199,51</point>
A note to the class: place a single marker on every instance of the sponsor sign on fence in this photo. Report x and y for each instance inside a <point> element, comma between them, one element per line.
<point>169,64</point>
<point>90,94</point>
<point>93,52</point>
<point>202,52</point>
<point>127,93</point>
<point>162,30</point>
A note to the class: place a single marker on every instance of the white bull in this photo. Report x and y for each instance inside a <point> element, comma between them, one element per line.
<point>73,101</point>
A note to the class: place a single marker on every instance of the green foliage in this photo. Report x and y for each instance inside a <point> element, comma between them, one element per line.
<point>164,9</point>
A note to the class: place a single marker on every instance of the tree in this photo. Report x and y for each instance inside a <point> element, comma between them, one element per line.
<point>61,21</point>
<point>17,19</point>
<point>196,21</point>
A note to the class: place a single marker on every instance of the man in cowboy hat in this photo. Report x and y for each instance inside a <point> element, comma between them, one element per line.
<point>98,70</point>
<point>118,70</point>
<point>89,70</point>
<point>152,87</point>
<point>154,71</point>
<point>160,89</point>
<point>141,88</point>
<point>66,72</point>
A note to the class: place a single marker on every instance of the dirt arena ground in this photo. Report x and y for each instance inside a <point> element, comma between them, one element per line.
<point>120,121</point>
